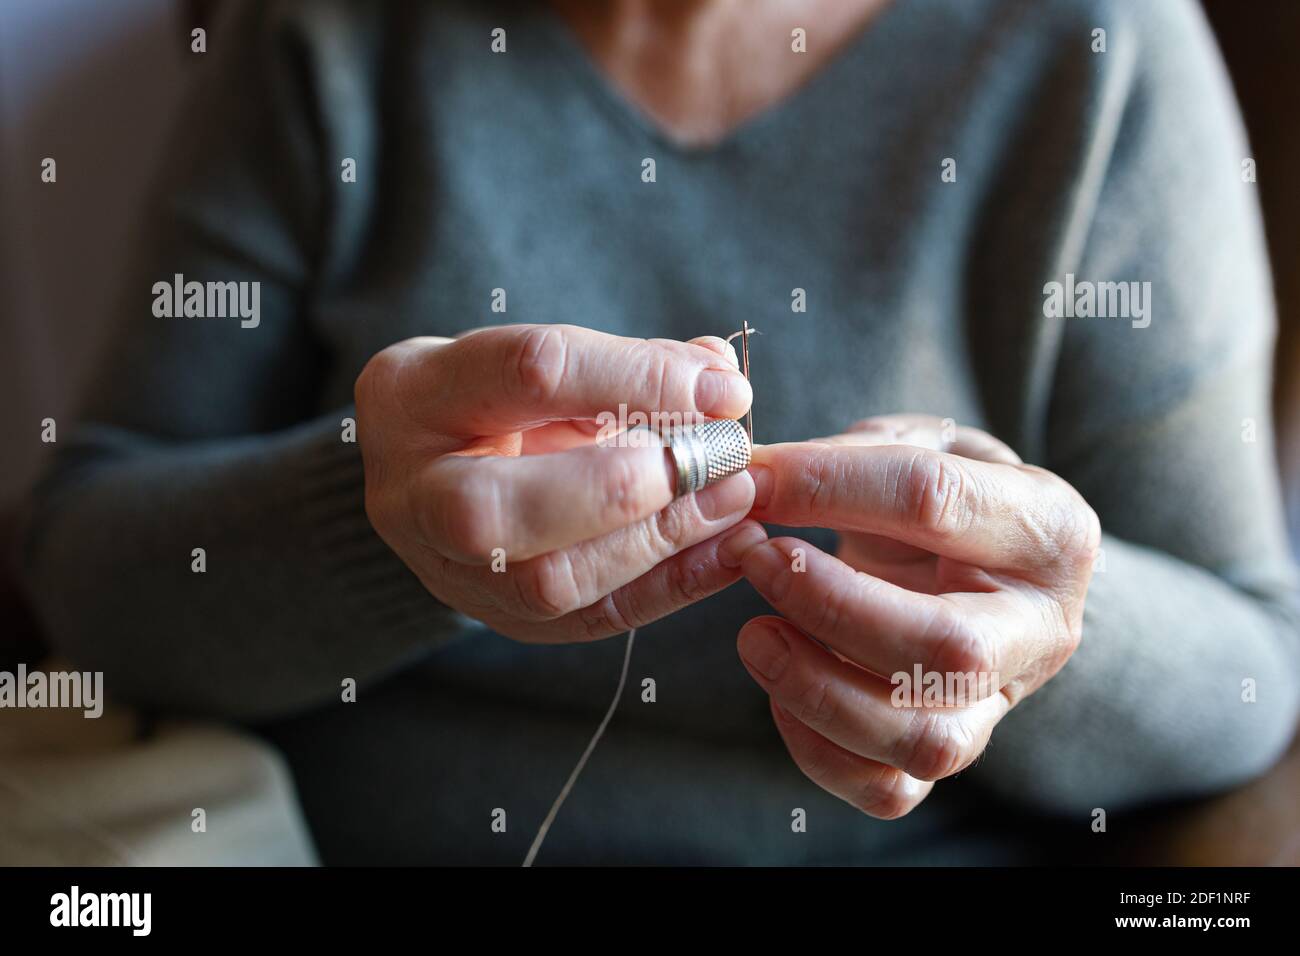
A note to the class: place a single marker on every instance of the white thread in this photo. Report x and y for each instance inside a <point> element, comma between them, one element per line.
<point>745,333</point>
<point>582,761</point>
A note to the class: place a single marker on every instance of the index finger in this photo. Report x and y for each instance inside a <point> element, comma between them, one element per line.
<point>995,515</point>
<point>502,379</point>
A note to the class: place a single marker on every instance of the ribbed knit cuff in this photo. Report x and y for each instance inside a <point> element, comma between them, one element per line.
<point>385,593</point>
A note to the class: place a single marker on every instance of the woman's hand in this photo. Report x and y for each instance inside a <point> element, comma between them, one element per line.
<point>483,475</point>
<point>957,563</point>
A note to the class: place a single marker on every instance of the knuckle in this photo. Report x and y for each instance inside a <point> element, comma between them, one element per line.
<point>548,587</point>
<point>934,746</point>
<point>539,363</point>
<point>1074,635</point>
<point>815,705</point>
<point>650,362</point>
<point>388,525</point>
<point>671,526</point>
<point>1072,529</point>
<point>374,376</point>
<point>661,373</point>
<point>394,383</point>
<point>885,794</point>
<point>363,389</point>
<point>830,611</point>
<point>1082,533</point>
<point>1070,628</point>
<point>470,523</point>
<point>378,507</point>
<point>817,761</point>
<point>685,582</point>
<point>604,619</point>
<point>934,492</point>
<point>819,476</point>
<point>620,487</point>
<point>960,646</point>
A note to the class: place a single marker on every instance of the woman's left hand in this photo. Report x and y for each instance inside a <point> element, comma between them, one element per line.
<point>958,563</point>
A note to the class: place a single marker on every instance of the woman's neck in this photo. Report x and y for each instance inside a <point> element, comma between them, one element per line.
<point>700,68</point>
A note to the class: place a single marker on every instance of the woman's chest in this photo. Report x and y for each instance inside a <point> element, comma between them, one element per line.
<point>848,327</point>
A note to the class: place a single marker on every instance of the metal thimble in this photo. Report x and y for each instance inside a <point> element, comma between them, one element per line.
<point>705,453</point>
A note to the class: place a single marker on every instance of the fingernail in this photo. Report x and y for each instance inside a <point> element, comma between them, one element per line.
<point>763,482</point>
<point>728,496</point>
<point>765,650</point>
<point>769,570</point>
<point>732,550</point>
<point>719,392</point>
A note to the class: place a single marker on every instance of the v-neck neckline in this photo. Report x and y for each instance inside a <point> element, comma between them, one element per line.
<point>630,113</point>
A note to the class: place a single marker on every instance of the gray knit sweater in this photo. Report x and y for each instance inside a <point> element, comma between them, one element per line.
<point>521,171</point>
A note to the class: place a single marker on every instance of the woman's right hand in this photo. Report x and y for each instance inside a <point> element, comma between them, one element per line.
<point>571,545</point>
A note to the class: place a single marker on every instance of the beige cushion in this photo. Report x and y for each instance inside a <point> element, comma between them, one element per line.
<point>90,792</point>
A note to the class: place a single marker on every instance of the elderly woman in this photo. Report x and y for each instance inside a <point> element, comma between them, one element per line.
<point>476,228</point>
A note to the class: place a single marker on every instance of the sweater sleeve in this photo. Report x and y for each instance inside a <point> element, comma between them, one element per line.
<point>211,433</point>
<point>1188,676</point>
